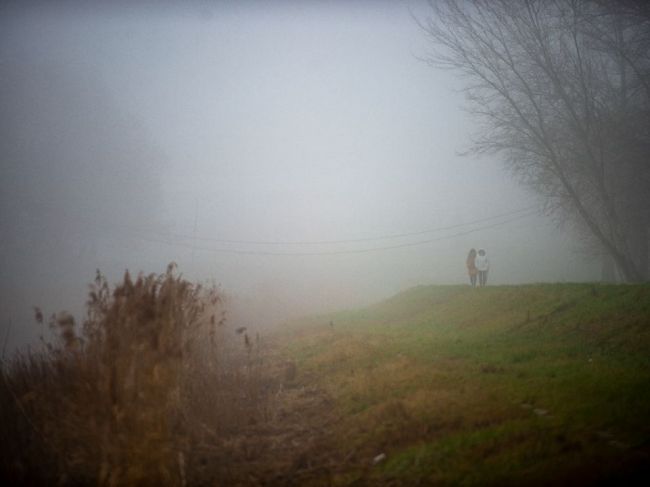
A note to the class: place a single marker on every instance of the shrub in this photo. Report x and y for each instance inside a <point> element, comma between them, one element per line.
<point>131,397</point>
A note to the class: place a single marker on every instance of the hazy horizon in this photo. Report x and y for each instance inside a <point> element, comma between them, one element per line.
<point>133,136</point>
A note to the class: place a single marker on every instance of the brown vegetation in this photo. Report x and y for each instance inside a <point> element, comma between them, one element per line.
<point>154,389</point>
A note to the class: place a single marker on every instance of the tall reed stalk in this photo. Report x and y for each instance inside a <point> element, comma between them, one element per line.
<point>134,395</point>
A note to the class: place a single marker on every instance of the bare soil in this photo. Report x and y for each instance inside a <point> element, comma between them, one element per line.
<point>291,443</point>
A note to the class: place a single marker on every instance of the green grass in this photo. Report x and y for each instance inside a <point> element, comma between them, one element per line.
<point>530,384</point>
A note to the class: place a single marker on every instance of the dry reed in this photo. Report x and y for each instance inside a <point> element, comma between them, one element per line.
<point>148,391</point>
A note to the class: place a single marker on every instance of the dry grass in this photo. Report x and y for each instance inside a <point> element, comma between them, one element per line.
<point>150,390</point>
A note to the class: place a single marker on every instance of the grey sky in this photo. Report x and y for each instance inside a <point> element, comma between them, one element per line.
<point>291,121</point>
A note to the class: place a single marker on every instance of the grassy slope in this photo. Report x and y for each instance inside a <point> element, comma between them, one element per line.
<point>501,385</point>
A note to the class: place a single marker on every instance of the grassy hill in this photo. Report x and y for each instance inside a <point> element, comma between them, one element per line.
<point>507,385</point>
<point>440,385</point>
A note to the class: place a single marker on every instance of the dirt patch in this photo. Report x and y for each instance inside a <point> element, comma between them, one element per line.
<point>292,445</point>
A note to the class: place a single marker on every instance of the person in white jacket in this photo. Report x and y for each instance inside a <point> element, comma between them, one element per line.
<point>482,266</point>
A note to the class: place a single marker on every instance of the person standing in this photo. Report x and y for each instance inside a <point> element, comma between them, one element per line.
<point>471,267</point>
<point>482,266</point>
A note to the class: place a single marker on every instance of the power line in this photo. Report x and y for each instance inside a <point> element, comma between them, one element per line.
<point>339,252</point>
<point>326,242</point>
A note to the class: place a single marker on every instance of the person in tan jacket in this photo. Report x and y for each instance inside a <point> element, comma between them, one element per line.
<point>471,267</point>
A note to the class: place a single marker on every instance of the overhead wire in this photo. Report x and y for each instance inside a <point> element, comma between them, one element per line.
<point>342,252</point>
<point>328,242</point>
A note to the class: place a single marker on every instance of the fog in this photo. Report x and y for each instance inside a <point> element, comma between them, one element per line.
<point>265,147</point>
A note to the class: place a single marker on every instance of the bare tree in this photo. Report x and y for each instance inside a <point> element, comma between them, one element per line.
<point>562,90</point>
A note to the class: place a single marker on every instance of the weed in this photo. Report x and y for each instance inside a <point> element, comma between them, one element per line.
<point>147,391</point>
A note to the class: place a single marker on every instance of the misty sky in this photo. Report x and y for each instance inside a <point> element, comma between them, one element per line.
<point>135,136</point>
